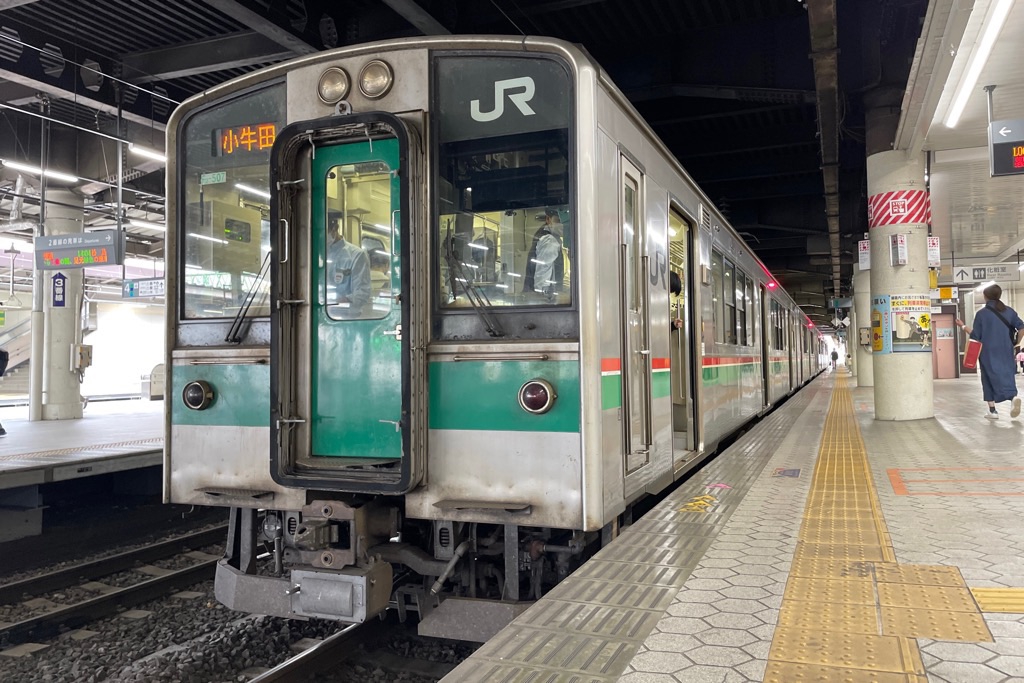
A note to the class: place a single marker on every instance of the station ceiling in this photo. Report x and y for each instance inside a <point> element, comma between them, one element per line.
<point>765,102</point>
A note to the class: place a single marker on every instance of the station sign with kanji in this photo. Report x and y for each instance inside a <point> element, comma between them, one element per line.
<point>1006,147</point>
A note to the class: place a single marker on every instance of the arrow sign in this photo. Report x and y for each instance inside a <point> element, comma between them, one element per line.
<point>962,275</point>
<point>1004,131</point>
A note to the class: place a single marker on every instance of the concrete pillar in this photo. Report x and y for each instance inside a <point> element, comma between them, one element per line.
<point>898,205</point>
<point>862,307</point>
<point>62,395</point>
<point>851,340</point>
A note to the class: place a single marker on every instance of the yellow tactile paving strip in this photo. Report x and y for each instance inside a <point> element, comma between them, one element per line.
<point>850,612</point>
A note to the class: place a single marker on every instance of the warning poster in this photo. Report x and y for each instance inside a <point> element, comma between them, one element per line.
<point>881,324</point>
<point>911,318</point>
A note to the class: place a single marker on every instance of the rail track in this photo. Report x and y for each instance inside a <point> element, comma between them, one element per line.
<point>110,599</point>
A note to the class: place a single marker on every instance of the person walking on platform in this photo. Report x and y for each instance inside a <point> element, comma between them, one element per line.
<point>999,329</point>
<point>835,357</point>
<point>1020,358</point>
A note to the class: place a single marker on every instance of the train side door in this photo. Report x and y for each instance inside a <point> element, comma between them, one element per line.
<point>636,355</point>
<point>767,324</point>
<point>680,250</point>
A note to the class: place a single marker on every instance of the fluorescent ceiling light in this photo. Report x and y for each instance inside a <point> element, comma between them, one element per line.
<point>147,224</point>
<point>252,190</point>
<point>989,32</point>
<point>148,153</point>
<point>35,170</point>
<point>207,238</point>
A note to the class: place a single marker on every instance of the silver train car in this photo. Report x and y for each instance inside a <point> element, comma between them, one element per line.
<point>440,312</point>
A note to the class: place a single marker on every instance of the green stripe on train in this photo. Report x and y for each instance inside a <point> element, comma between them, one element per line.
<point>483,395</point>
<point>611,388</point>
<point>241,395</point>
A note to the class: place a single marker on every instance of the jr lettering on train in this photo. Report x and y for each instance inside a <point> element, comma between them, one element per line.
<point>502,88</point>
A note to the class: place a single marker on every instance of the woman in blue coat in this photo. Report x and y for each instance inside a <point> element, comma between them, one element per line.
<point>999,329</point>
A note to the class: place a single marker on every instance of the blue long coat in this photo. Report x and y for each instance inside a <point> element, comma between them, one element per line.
<point>998,370</point>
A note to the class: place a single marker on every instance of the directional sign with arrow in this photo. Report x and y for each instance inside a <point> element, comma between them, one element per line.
<point>1006,147</point>
<point>962,275</point>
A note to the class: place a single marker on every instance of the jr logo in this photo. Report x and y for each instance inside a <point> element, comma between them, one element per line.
<point>520,99</point>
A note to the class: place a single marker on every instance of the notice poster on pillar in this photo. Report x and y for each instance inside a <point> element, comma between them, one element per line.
<point>881,324</point>
<point>911,316</point>
<point>864,254</point>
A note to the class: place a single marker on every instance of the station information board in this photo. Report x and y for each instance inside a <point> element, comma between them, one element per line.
<point>79,250</point>
<point>1006,147</point>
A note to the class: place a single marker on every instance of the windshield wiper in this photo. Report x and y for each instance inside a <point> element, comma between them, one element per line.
<point>475,295</point>
<point>235,332</point>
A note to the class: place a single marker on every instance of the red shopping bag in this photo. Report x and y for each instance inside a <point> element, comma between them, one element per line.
<point>972,353</point>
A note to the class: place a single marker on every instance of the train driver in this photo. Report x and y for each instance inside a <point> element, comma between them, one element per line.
<point>545,267</point>
<point>348,276</point>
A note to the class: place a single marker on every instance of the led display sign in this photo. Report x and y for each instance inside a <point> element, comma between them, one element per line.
<point>78,250</point>
<point>1006,147</point>
<point>243,140</point>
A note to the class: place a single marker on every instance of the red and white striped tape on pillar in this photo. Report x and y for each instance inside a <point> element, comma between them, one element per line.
<point>902,206</point>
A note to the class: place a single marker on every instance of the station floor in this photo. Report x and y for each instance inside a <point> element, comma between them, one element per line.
<point>111,436</point>
<point>822,546</point>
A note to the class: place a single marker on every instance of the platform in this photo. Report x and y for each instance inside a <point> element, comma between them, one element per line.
<point>111,437</point>
<point>821,546</point>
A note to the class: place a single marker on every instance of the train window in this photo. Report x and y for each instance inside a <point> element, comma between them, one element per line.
<point>718,296</point>
<point>504,227</point>
<point>729,323</point>
<point>355,279</point>
<point>224,217</point>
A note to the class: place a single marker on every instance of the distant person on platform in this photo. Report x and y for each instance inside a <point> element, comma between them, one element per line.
<point>835,357</point>
<point>999,329</point>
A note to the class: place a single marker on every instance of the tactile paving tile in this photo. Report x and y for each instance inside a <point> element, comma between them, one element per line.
<point>630,624</point>
<point>843,537</point>
<point>850,590</point>
<point>1010,600</point>
<point>627,572</point>
<point>929,575</point>
<point>824,567</point>
<point>581,653</point>
<point>947,598</point>
<point>838,616</point>
<point>789,672</point>
<point>935,624</point>
<point>850,553</point>
<point>614,594</point>
<point>846,650</point>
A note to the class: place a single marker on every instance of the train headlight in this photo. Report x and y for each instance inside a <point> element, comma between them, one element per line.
<point>375,79</point>
<point>333,85</point>
<point>197,395</point>
<point>537,396</point>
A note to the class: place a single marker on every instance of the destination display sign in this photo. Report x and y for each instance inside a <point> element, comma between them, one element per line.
<point>251,137</point>
<point>78,250</point>
<point>1006,147</point>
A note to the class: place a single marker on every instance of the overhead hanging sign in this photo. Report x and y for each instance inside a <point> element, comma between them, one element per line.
<point>1000,272</point>
<point>1006,147</point>
<point>79,250</point>
<point>143,289</point>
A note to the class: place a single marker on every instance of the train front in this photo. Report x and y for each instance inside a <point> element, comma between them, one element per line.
<point>373,322</point>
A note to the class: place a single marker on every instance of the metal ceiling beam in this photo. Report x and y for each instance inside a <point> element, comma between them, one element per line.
<point>262,24</point>
<point>234,50</point>
<point>821,15</point>
<point>418,17</point>
<point>721,92</point>
<point>61,78</point>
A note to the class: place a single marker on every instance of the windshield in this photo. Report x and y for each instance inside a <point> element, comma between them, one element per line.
<point>224,222</point>
<point>504,222</point>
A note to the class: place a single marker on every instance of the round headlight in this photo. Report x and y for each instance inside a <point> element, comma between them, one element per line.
<point>375,79</point>
<point>333,85</point>
<point>537,396</point>
<point>197,395</point>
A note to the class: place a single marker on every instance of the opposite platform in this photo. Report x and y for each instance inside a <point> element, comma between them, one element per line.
<point>111,437</point>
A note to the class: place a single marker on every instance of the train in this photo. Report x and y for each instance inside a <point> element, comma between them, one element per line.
<point>440,312</point>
